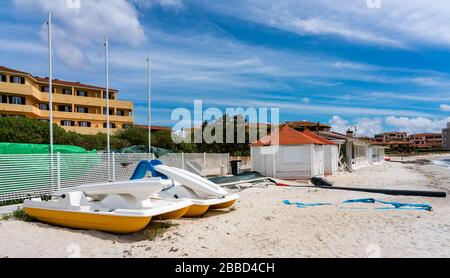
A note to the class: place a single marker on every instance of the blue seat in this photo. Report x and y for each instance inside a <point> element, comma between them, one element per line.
<point>155,173</point>
<point>141,170</point>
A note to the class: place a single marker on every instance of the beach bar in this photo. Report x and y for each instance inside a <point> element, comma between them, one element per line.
<point>288,154</point>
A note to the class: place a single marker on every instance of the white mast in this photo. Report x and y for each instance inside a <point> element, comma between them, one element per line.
<point>149,107</point>
<point>107,106</point>
<point>50,91</point>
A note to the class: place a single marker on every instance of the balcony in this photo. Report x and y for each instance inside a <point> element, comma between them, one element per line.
<point>27,90</point>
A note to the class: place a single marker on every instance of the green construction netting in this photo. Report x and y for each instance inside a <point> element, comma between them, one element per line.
<point>144,149</point>
<point>26,167</point>
<point>15,148</point>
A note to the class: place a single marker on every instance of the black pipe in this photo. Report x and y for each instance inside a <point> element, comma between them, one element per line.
<point>394,192</point>
<point>323,183</point>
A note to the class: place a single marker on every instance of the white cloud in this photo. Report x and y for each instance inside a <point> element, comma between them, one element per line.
<point>445,107</point>
<point>338,124</point>
<point>176,4</point>
<point>364,126</point>
<point>417,125</point>
<point>81,30</point>
<point>399,23</point>
<point>369,127</point>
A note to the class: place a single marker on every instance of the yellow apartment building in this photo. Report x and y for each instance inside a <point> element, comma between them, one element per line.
<point>76,107</point>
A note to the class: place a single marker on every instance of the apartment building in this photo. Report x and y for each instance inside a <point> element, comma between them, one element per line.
<point>426,140</point>
<point>388,137</point>
<point>76,107</point>
<point>446,138</point>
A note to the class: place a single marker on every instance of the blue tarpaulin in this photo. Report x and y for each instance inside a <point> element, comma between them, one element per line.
<point>394,205</point>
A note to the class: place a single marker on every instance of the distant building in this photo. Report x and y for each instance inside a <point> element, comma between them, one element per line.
<point>76,107</point>
<point>311,126</point>
<point>388,137</point>
<point>426,140</point>
<point>446,138</point>
<point>354,151</point>
<point>155,128</point>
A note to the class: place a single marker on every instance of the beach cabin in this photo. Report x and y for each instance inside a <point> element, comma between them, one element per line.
<point>353,152</point>
<point>288,154</point>
<point>376,154</point>
<point>331,153</point>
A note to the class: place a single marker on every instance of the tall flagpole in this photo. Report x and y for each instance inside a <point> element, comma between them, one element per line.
<point>50,91</point>
<point>149,107</point>
<point>107,106</point>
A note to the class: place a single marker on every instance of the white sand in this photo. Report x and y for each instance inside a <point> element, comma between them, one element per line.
<point>262,226</point>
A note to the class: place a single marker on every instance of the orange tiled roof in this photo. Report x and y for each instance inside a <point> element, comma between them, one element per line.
<point>2,68</point>
<point>318,137</point>
<point>55,81</point>
<point>286,136</point>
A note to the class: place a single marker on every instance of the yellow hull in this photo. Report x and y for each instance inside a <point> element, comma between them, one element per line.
<point>196,210</point>
<point>90,221</point>
<point>224,205</point>
<point>172,215</point>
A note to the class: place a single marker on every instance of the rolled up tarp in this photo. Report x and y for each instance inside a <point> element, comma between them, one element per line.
<point>323,183</point>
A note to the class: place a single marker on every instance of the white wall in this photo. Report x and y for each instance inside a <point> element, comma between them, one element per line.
<point>331,159</point>
<point>377,154</point>
<point>291,162</point>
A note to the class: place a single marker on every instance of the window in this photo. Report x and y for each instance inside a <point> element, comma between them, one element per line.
<point>44,106</point>
<point>3,99</point>
<point>111,111</point>
<point>84,124</point>
<point>111,125</point>
<point>81,109</point>
<point>44,120</point>
<point>111,96</point>
<point>82,93</point>
<point>17,79</point>
<point>127,126</point>
<point>17,100</point>
<point>67,123</point>
<point>46,89</point>
<point>67,92</point>
<point>120,113</point>
<point>2,78</point>
<point>65,108</point>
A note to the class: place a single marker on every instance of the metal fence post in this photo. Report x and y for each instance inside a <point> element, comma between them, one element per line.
<point>113,166</point>
<point>58,171</point>
<point>204,164</point>
<point>228,163</point>
<point>182,160</point>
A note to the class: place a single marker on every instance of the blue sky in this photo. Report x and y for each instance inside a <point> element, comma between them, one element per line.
<point>348,65</point>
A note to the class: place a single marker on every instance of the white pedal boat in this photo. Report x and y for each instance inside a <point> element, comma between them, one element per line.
<point>118,207</point>
<point>203,193</point>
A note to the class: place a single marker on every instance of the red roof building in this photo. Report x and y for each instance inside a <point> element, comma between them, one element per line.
<point>288,136</point>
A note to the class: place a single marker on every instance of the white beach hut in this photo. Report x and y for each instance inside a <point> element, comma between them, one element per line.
<point>288,154</point>
<point>331,153</point>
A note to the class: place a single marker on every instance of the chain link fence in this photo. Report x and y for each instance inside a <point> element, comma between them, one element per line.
<point>28,175</point>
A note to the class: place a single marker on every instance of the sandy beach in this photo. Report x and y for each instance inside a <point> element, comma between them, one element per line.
<point>262,226</point>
